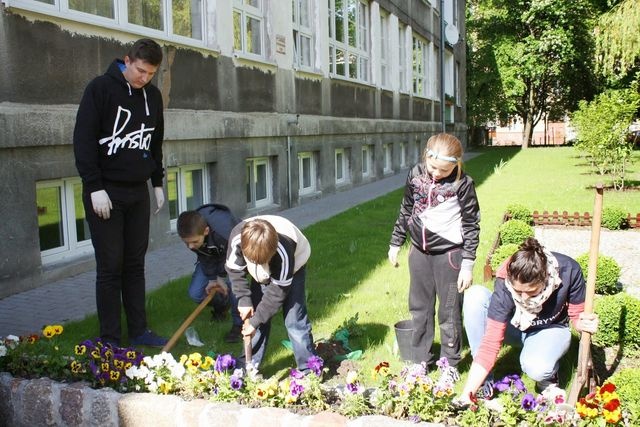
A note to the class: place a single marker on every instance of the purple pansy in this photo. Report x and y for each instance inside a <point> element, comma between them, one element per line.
<point>235,382</point>
<point>296,374</point>
<point>224,362</point>
<point>528,402</point>
<point>295,388</point>
<point>315,363</point>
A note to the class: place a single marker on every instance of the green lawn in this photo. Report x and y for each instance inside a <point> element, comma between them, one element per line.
<point>349,273</point>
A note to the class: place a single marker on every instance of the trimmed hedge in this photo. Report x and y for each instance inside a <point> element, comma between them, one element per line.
<point>501,253</point>
<point>521,212</point>
<point>607,274</point>
<point>515,231</point>
<point>614,218</point>
<point>619,321</point>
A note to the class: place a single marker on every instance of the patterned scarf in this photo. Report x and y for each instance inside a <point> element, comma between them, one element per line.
<point>527,310</point>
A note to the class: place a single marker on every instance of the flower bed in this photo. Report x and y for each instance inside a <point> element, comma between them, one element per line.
<point>410,394</point>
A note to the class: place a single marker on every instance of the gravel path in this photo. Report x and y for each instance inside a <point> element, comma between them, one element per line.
<point>623,246</point>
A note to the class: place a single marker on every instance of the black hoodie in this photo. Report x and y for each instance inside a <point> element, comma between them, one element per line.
<point>119,132</point>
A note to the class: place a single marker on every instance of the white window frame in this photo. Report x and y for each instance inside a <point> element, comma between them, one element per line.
<point>249,11</point>
<point>387,151</point>
<point>120,22</point>
<point>421,83</point>
<point>361,52</point>
<point>367,160</point>
<point>181,188</point>
<point>383,42</point>
<point>252,164</point>
<point>301,31</point>
<point>312,173</point>
<point>343,163</point>
<point>72,248</point>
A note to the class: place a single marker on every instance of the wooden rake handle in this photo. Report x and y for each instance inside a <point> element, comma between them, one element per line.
<point>176,336</point>
<point>585,363</point>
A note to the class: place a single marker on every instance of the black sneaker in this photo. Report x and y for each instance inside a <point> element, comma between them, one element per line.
<point>234,335</point>
<point>150,339</point>
<point>218,315</point>
<point>544,384</point>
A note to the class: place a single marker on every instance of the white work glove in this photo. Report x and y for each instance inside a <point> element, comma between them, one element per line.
<point>465,277</point>
<point>159,193</point>
<point>101,204</point>
<point>393,255</point>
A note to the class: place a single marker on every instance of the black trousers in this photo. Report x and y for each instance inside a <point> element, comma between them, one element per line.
<point>434,275</point>
<point>120,244</point>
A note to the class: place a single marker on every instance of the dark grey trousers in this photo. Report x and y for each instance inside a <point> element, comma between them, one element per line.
<point>435,276</point>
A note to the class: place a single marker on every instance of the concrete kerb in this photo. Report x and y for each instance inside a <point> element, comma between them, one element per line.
<point>26,403</point>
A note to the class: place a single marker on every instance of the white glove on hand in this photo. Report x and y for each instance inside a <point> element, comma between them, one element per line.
<point>465,278</point>
<point>393,255</point>
<point>101,204</point>
<point>159,193</point>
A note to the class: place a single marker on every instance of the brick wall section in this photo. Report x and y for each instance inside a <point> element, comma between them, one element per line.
<point>43,402</point>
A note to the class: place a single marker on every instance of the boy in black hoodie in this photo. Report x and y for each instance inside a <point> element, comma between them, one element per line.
<point>117,143</point>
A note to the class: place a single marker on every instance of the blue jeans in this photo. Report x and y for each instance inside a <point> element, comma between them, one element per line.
<point>296,321</point>
<point>199,282</point>
<point>542,349</point>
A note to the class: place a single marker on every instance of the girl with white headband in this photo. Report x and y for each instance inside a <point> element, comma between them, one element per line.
<point>440,215</point>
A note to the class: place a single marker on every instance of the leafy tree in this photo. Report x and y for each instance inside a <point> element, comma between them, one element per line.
<point>542,53</point>
<point>602,127</point>
<point>618,42</point>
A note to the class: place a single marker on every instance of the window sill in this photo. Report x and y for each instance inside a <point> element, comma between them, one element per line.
<point>250,59</point>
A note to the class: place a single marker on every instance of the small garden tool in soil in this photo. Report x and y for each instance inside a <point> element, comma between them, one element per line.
<point>174,338</point>
<point>247,347</point>
<point>585,375</point>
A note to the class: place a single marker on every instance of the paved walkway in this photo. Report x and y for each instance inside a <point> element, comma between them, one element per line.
<point>73,298</point>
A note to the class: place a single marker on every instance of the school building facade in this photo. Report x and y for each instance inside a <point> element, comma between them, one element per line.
<point>268,104</point>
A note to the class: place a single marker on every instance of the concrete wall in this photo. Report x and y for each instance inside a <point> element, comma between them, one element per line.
<point>27,403</point>
<point>220,110</point>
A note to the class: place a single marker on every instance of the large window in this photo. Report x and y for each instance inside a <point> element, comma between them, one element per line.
<point>367,161</point>
<point>186,190</point>
<point>303,33</point>
<point>184,22</point>
<point>420,67</point>
<point>248,27</point>
<point>349,39</point>
<point>307,173</point>
<point>402,59</point>
<point>342,166</point>
<point>259,182</point>
<point>384,49</point>
<point>62,228</point>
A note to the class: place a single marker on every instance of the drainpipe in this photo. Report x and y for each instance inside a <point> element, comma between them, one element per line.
<point>442,47</point>
<point>290,122</point>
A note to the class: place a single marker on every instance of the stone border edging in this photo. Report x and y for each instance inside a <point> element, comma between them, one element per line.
<point>43,401</point>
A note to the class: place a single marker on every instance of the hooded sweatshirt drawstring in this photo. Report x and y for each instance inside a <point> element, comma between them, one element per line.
<point>146,105</point>
<point>129,86</point>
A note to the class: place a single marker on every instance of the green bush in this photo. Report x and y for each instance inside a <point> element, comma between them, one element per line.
<point>501,253</point>
<point>619,322</point>
<point>515,231</point>
<point>627,383</point>
<point>521,212</point>
<point>607,274</point>
<point>614,218</point>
